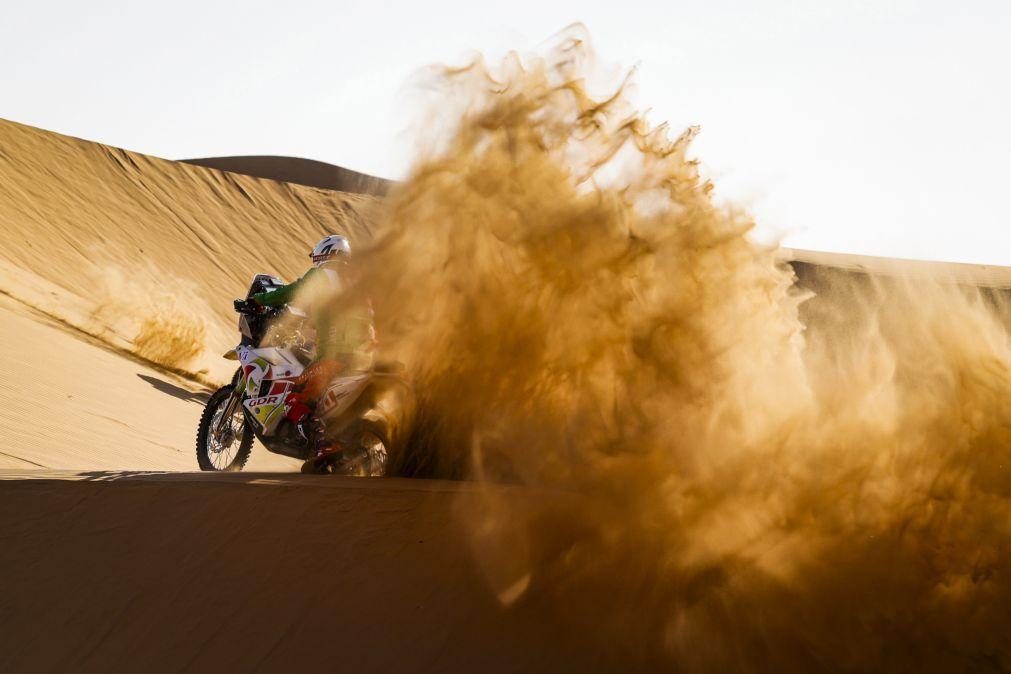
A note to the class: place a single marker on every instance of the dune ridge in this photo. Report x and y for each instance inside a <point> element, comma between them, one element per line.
<point>308,172</point>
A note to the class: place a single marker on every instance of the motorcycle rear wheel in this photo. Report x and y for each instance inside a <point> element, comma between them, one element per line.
<point>229,450</point>
<point>368,459</point>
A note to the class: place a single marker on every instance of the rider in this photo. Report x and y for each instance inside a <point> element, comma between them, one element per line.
<point>344,334</point>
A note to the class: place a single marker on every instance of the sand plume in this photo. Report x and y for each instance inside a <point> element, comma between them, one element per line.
<point>753,479</point>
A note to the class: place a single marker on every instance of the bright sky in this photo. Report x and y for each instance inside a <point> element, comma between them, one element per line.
<point>870,126</point>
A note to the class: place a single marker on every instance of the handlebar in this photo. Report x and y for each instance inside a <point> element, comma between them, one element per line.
<point>251,308</point>
<point>247,307</point>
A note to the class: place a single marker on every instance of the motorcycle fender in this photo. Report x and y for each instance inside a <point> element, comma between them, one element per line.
<point>231,354</point>
<point>340,395</point>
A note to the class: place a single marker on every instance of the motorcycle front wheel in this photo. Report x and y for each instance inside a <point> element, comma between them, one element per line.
<point>223,444</point>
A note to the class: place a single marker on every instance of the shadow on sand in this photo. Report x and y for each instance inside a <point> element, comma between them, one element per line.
<point>175,391</point>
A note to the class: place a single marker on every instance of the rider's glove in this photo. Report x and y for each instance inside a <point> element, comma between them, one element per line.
<point>246,306</point>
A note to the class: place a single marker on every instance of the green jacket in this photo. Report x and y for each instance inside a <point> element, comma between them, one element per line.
<point>343,325</point>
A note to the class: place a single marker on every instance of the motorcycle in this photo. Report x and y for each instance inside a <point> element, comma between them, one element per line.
<point>366,414</point>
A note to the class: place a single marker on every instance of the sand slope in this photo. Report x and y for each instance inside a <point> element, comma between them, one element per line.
<point>68,402</point>
<point>95,234</point>
<point>245,572</point>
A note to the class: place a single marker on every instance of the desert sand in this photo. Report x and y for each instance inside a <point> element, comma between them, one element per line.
<point>116,277</point>
<point>71,402</point>
<point>242,572</point>
<point>111,241</point>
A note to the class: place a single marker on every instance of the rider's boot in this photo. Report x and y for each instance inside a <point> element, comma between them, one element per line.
<point>312,429</point>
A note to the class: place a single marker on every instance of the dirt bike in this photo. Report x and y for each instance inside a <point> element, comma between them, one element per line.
<point>366,414</point>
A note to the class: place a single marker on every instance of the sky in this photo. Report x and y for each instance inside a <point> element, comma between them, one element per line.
<point>880,127</point>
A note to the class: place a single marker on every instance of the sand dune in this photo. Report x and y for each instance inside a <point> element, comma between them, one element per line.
<point>111,255</point>
<point>805,262</point>
<point>109,239</point>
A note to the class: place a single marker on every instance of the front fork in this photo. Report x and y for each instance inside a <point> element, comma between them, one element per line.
<point>233,403</point>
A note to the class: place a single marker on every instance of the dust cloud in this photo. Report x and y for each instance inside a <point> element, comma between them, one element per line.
<point>156,316</point>
<point>737,476</point>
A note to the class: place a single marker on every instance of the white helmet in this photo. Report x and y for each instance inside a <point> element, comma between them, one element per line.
<point>330,248</point>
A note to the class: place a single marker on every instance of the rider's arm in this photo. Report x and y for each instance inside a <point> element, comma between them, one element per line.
<point>344,331</point>
<point>283,295</point>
